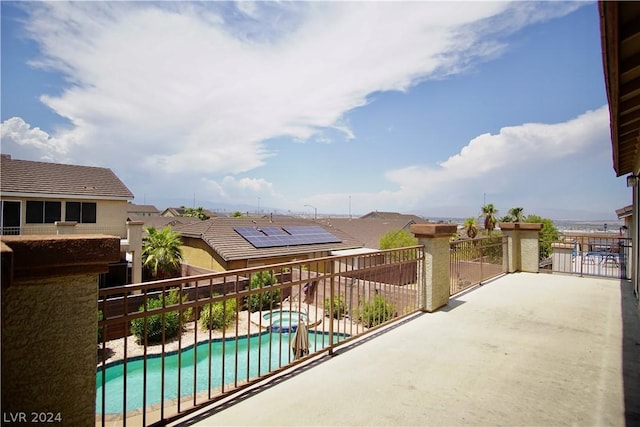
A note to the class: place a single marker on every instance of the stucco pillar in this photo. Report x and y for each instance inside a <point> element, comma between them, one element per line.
<point>134,236</point>
<point>562,257</point>
<point>523,245</point>
<point>436,280</point>
<point>49,325</point>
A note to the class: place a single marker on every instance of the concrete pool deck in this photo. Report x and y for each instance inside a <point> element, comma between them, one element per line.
<point>525,349</point>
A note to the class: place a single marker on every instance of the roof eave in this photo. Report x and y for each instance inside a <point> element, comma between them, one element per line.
<point>609,40</point>
<point>64,196</point>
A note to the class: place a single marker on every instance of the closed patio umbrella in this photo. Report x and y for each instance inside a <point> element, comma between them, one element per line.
<point>300,344</point>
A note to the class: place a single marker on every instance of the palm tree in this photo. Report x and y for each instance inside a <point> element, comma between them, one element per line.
<point>471,227</point>
<point>196,213</point>
<point>489,213</point>
<point>516,214</point>
<point>161,253</point>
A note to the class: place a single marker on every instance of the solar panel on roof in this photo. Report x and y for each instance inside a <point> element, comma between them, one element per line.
<point>272,237</point>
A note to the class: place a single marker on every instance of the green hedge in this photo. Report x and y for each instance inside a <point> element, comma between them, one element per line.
<point>376,311</point>
<point>218,315</point>
<point>173,320</point>
<point>266,299</point>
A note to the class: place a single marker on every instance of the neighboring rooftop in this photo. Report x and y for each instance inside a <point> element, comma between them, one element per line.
<point>387,216</point>
<point>369,230</point>
<point>624,212</point>
<point>161,222</point>
<point>142,210</point>
<point>221,236</point>
<point>176,212</point>
<point>29,178</point>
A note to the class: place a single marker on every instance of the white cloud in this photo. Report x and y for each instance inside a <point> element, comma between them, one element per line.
<point>233,190</point>
<point>188,94</point>
<point>21,140</point>
<point>520,165</point>
<point>203,96</point>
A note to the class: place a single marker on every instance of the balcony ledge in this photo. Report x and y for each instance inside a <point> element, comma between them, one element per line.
<point>33,256</point>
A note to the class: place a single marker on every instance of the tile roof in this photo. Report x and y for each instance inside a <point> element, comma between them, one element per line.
<point>369,230</point>
<point>133,208</point>
<point>160,222</point>
<point>392,216</point>
<point>220,235</point>
<point>26,177</point>
<point>176,212</point>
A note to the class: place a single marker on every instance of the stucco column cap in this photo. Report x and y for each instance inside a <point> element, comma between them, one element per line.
<point>529,226</point>
<point>433,230</point>
<point>33,256</point>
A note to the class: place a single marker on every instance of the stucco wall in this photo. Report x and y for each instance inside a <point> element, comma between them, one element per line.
<point>111,216</point>
<point>197,253</point>
<point>523,246</point>
<point>49,324</point>
<point>530,251</point>
<point>39,320</point>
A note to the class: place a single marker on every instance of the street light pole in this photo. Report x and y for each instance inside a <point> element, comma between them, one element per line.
<point>315,211</point>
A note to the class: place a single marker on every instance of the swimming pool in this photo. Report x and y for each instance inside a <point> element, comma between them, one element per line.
<point>268,350</point>
<point>284,320</point>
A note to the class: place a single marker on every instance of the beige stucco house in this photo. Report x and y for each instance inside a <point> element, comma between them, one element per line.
<point>53,198</point>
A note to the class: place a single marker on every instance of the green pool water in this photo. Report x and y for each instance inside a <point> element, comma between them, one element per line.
<point>269,350</point>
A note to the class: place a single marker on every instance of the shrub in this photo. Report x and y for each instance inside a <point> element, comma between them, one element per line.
<point>548,235</point>
<point>100,328</point>
<point>173,320</point>
<point>264,300</point>
<point>376,311</point>
<point>218,315</point>
<point>339,306</point>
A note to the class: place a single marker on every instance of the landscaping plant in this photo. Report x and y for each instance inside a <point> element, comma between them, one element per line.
<point>376,311</point>
<point>218,315</point>
<point>173,320</point>
<point>338,308</point>
<point>267,299</point>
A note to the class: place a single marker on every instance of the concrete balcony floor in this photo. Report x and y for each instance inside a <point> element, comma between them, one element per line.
<point>525,349</point>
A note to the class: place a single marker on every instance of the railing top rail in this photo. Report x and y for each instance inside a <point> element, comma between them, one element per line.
<point>245,273</point>
<point>477,239</point>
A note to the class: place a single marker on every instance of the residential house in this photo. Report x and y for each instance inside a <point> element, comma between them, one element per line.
<point>178,212</point>
<point>54,198</point>
<point>142,210</point>
<point>161,222</point>
<point>221,244</point>
<point>620,36</point>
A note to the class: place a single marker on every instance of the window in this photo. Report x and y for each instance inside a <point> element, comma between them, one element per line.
<point>81,212</point>
<point>10,220</point>
<point>39,212</point>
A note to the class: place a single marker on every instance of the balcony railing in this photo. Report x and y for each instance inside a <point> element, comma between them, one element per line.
<point>590,254</point>
<point>49,229</point>
<point>473,261</point>
<point>310,307</point>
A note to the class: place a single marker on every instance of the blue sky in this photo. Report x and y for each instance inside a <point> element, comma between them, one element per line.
<point>416,107</point>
